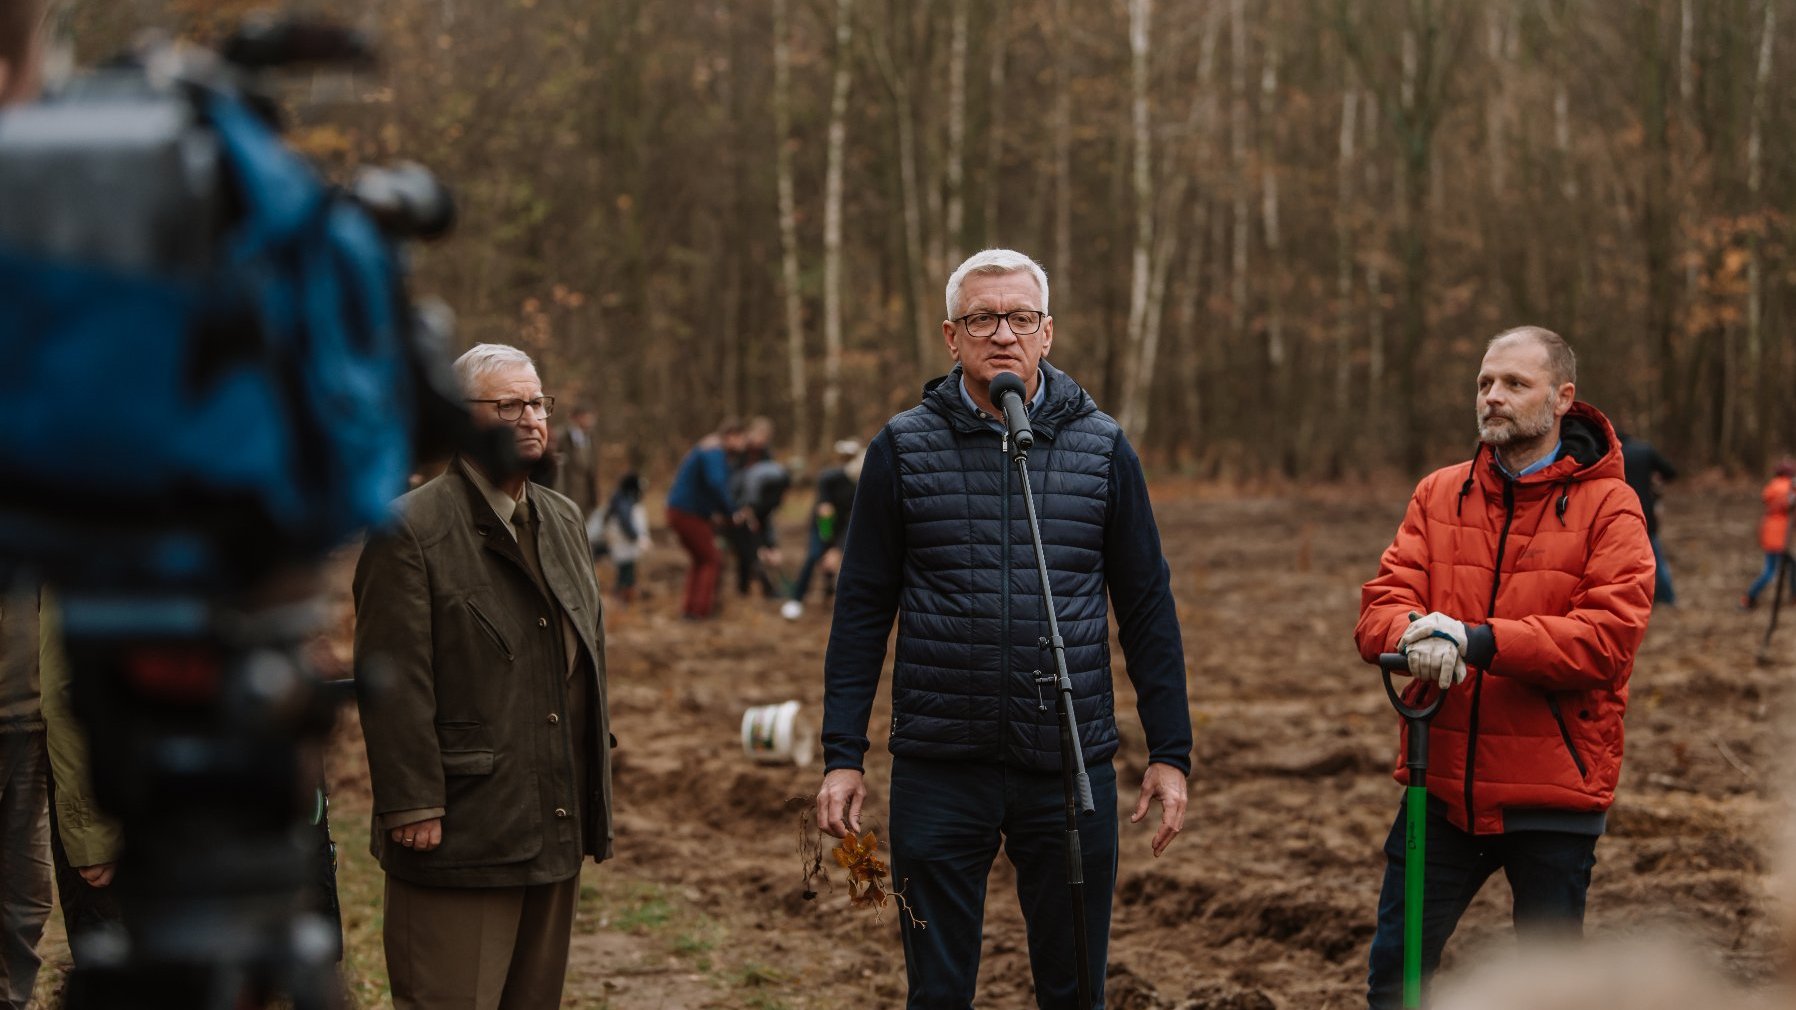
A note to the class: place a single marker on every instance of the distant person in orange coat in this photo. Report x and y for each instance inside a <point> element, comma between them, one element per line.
<point>1778,496</point>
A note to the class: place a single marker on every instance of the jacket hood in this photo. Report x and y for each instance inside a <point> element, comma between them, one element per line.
<point>1065,401</point>
<point>1589,450</point>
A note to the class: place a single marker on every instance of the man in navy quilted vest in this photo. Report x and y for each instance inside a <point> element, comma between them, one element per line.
<point>940,539</point>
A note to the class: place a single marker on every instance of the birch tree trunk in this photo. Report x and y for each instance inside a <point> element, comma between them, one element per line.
<point>1140,16</point>
<point>1199,124</point>
<point>788,211</point>
<point>956,160</point>
<point>832,226</point>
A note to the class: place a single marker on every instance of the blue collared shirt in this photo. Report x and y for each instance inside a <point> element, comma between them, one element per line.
<point>997,423</point>
<point>1540,464</point>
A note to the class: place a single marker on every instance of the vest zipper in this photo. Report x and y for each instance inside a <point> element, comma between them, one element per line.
<point>1496,581</point>
<point>1004,604</point>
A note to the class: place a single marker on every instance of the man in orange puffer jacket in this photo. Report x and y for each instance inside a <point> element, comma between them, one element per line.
<point>1532,567</point>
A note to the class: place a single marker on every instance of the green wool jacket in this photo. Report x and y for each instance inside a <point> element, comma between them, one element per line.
<point>89,836</point>
<point>464,689</point>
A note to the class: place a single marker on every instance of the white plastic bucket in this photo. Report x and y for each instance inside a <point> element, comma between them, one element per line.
<point>774,734</point>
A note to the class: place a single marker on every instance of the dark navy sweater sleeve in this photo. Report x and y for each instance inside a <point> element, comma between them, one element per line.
<point>866,602</point>
<point>1147,623</point>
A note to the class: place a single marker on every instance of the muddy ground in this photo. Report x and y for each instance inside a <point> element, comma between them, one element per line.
<point>1267,899</point>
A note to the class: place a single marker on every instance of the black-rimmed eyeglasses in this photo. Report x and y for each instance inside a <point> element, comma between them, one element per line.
<point>511,410</point>
<point>985,324</point>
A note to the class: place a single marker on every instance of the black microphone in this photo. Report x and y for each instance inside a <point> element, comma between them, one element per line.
<point>1008,392</point>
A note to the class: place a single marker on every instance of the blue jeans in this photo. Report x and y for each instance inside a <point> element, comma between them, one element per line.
<point>1770,572</point>
<point>1549,872</point>
<point>1663,591</point>
<point>813,553</point>
<point>948,820</point>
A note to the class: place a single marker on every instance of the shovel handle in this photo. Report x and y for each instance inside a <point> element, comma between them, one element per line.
<point>1389,662</point>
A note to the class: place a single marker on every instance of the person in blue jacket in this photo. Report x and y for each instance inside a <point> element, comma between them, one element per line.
<point>698,505</point>
<point>939,539</point>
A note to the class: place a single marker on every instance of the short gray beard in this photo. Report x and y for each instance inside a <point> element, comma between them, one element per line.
<point>1521,429</point>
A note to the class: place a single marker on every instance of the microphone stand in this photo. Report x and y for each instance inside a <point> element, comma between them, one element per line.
<point>1076,782</point>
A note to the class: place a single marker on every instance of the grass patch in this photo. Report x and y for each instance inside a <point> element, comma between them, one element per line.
<point>639,908</point>
<point>755,975</point>
<point>361,893</point>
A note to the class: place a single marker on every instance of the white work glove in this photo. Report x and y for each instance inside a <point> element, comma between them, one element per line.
<point>1435,645</point>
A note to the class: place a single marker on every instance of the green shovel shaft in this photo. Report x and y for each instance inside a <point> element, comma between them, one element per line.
<point>1415,855</point>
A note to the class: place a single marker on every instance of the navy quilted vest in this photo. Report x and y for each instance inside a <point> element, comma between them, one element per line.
<point>971,621</point>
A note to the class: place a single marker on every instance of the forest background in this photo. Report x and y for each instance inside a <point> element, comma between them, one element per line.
<point>1277,232</point>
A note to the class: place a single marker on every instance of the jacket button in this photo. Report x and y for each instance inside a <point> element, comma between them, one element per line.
<point>554,719</point>
<point>561,812</point>
<point>542,622</point>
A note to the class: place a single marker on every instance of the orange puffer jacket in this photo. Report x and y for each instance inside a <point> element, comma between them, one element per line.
<point>1555,571</point>
<point>1774,526</point>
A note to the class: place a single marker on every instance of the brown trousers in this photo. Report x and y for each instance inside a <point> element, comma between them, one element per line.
<point>478,948</point>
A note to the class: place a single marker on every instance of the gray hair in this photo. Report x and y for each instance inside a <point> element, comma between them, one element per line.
<point>1561,360</point>
<point>483,360</point>
<point>993,262</point>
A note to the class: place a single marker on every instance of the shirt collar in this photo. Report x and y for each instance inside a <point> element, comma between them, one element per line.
<point>504,505</point>
<point>997,423</point>
<point>1540,464</point>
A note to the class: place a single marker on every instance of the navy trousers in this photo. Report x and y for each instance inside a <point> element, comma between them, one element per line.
<point>1548,871</point>
<point>949,819</point>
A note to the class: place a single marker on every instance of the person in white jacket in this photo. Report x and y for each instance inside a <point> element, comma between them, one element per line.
<point>625,530</point>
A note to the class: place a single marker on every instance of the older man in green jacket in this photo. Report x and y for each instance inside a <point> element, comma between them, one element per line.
<point>481,677</point>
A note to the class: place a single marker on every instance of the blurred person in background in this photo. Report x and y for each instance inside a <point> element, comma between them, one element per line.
<point>24,799</point>
<point>763,484</point>
<point>626,534</point>
<point>25,868</point>
<point>1779,496</point>
<point>1645,470</point>
<point>828,526</point>
<point>699,504</point>
<point>748,535</point>
<point>576,461</point>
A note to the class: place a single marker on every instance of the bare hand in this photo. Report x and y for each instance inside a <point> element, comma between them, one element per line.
<point>97,875</point>
<point>419,836</point>
<point>839,801</point>
<point>1167,784</point>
